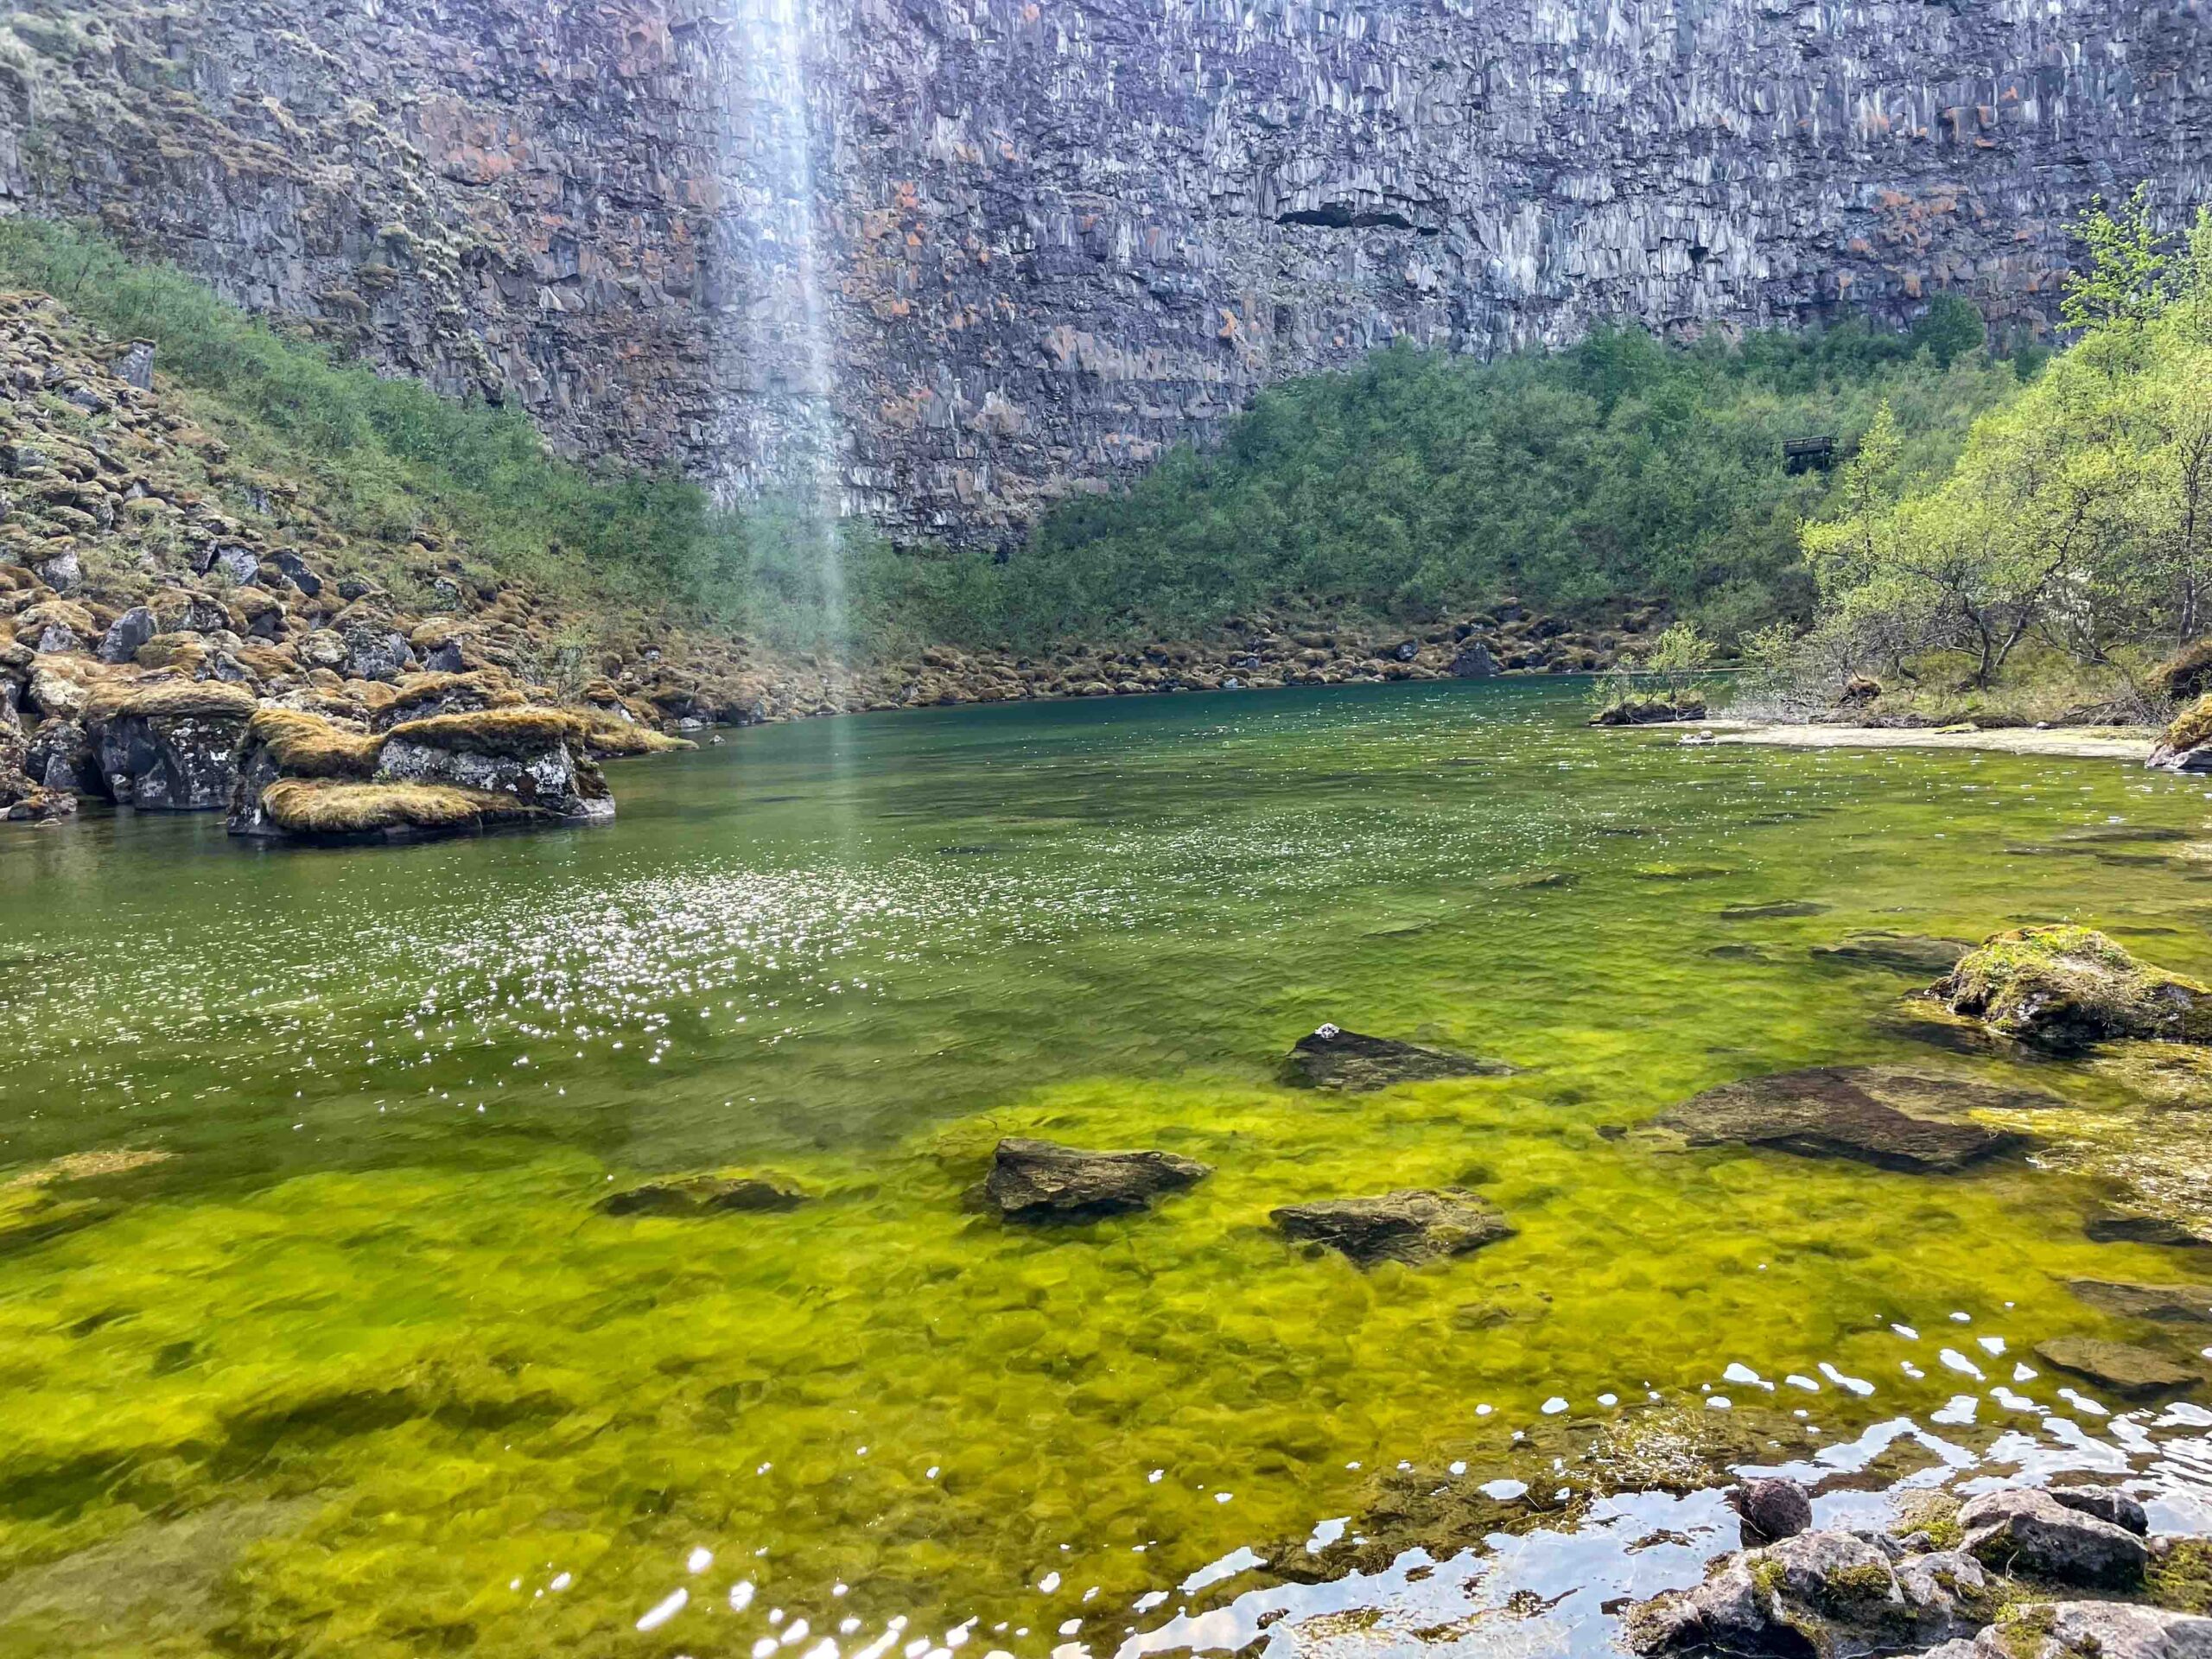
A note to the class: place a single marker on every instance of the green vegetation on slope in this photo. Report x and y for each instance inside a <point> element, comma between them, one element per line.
<point>1622,470</point>
<point>2073,539</point>
<point>1619,470</point>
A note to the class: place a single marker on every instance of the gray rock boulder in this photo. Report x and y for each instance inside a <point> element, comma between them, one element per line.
<point>1772,1509</point>
<point>171,746</point>
<point>1331,1057</point>
<point>1042,1180</point>
<point>129,631</point>
<point>376,653</point>
<point>1820,1595</point>
<point>61,571</point>
<point>535,756</point>
<point>2030,1533</point>
<point>2106,1504</point>
<point>287,565</point>
<point>1414,1226</point>
<point>1473,661</point>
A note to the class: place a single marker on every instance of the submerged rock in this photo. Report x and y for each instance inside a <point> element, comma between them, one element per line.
<point>1042,1180</point>
<point>2128,1227</point>
<point>2171,1303</point>
<point>699,1195</point>
<point>1413,1227</point>
<point>1333,1058</point>
<point>1836,1595</point>
<point>1772,1510</point>
<point>1906,953</point>
<point>2121,1367</point>
<point>1855,1113</point>
<point>2067,988</point>
<point>1773,912</point>
<point>2031,1534</point>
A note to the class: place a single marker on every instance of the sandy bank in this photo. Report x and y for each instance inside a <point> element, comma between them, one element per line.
<point>2084,742</point>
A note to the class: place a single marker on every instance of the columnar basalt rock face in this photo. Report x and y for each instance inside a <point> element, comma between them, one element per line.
<point>1051,238</point>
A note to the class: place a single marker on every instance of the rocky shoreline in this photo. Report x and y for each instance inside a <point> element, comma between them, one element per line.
<point>140,558</point>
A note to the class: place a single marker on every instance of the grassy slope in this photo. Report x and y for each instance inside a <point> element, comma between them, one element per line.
<point>1619,470</point>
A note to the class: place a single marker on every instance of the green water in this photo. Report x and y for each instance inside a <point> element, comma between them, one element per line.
<point>358,1369</point>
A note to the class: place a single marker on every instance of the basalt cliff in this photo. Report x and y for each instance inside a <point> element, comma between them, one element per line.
<point>1003,249</point>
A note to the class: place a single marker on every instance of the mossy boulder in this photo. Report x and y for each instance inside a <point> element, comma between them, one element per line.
<point>2186,744</point>
<point>2066,988</point>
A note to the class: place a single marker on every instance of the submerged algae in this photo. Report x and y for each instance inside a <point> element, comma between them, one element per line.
<point>377,1289</point>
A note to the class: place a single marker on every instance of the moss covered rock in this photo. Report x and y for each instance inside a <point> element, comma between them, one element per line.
<point>2186,744</point>
<point>2065,989</point>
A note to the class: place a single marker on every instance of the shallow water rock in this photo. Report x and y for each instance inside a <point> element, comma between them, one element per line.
<point>2172,1304</point>
<point>1906,953</point>
<point>1833,1594</point>
<point>1857,1113</point>
<point>2087,1630</point>
<point>2106,1504</point>
<point>1332,1059</point>
<point>1414,1226</point>
<point>1042,1180</point>
<point>699,1195</point>
<point>2121,1367</point>
<point>1773,912</point>
<point>2065,989</point>
<point>2031,1534</point>
<point>1772,1509</point>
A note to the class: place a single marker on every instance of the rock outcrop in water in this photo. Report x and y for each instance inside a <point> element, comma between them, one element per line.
<point>2068,989</point>
<point>1052,240</point>
<point>302,777</point>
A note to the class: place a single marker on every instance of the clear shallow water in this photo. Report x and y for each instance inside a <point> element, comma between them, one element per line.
<point>359,1365</point>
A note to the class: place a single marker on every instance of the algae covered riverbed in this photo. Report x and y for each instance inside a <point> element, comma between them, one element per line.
<point>315,1340</point>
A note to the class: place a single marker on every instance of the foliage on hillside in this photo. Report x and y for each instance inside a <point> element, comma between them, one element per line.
<point>1413,487</point>
<point>1620,470</point>
<point>2075,529</point>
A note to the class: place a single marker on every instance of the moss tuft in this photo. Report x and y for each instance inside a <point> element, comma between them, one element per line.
<point>505,733</point>
<point>175,699</point>
<point>320,807</point>
<point>308,746</point>
<point>2181,1577</point>
<point>2192,728</point>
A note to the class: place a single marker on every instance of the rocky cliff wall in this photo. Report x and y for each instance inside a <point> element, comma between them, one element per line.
<point>992,250</point>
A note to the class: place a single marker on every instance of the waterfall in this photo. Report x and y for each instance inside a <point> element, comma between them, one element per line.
<point>791,377</point>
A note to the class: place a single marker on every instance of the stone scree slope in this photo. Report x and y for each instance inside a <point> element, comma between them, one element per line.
<point>1056,236</point>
